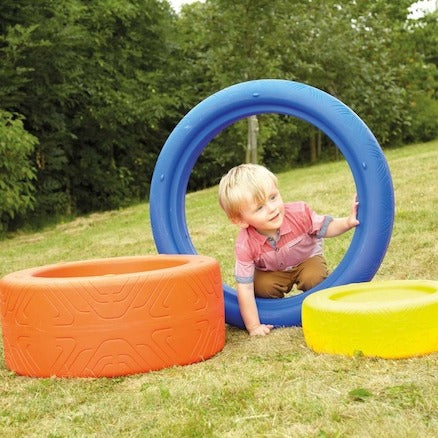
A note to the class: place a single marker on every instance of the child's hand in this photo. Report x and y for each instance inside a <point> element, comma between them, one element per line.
<point>261,330</point>
<point>352,219</point>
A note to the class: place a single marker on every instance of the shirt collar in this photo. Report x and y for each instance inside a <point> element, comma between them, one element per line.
<point>285,228</point>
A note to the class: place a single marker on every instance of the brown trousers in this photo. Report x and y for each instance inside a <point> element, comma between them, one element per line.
<point>274,284</point>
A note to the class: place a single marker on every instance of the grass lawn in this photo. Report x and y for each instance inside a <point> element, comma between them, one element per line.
<point>271,386</point>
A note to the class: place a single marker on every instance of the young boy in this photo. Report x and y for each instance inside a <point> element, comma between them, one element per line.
<point>279,245</point>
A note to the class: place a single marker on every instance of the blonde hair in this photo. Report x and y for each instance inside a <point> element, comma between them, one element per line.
<point>247,182</point>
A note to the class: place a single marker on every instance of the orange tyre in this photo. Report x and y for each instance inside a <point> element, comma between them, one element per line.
<point>112,317</point>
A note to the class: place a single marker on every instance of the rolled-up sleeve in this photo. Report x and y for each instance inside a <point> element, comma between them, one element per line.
<point>323,230</point>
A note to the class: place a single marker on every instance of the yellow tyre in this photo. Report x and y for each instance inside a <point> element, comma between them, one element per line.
<point>387,319</point>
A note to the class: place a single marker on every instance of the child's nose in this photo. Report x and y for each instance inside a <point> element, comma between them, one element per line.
<point>272,205</point>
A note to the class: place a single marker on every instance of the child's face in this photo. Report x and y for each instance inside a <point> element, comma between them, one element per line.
<point>265,216</point>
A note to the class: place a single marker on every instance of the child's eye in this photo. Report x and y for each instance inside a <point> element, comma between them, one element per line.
<point>259,207</point>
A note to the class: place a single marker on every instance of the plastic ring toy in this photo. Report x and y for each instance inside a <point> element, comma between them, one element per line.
<point>387,319</point>
<point>354,139</point>
<point>112,317</point>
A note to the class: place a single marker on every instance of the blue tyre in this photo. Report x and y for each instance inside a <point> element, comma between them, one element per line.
<point>353,138</point>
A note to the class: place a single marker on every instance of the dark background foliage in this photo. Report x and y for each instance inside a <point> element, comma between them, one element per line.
<point>90,90</point>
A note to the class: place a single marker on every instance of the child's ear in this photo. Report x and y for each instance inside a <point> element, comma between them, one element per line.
<point>240,222</point>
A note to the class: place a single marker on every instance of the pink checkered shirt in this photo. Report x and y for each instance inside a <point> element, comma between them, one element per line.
<point>300,237</point>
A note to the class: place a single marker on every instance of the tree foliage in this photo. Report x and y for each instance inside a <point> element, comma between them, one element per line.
<point>360,52</point>
<point>96,87</point>
<point>88,78</point>
<point>16,171</point>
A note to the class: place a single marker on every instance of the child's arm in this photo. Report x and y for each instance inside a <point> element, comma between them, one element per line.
<point>249,312</point>
<point>340,225</point>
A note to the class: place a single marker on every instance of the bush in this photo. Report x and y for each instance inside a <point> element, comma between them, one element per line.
<point>16,171</point>
<point>424,124</point>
